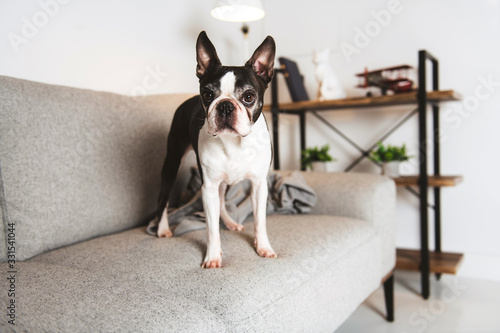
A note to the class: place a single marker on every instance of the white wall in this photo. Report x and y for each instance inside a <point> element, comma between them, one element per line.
<point>136,47</point>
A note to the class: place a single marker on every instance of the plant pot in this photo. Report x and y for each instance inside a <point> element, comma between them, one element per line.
<point>319,167</point>
<point>391,169</point>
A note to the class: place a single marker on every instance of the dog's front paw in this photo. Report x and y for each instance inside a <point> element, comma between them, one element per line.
<point>165,233</point>
<point>212,261</point>
<point>267,253</point>
<point>215,263</point>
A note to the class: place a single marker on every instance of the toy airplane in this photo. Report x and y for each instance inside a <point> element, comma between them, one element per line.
<point>390,78</point>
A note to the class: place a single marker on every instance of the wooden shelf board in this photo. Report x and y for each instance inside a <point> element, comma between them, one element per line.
<point>357,102</point>
<point>434,181</point>
<point>440,262</point>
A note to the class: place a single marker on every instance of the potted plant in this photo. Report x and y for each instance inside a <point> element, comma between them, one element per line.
<point>316,158</point>
<point>390,157</point>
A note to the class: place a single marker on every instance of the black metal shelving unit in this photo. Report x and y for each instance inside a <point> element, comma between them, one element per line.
<point>424,99</point>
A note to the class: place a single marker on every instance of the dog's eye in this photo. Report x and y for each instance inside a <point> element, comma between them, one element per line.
<point>248,97</point>
<point>208,96</point>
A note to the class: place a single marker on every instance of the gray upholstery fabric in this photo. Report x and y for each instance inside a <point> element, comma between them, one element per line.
<point>77,164</point>
<point>132,282</point>
<point>368,197</point>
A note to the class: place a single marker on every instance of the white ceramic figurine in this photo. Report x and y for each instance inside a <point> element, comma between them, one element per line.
<point>329,84</point>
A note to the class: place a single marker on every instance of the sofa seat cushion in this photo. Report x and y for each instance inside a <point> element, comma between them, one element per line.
<point>131,281</point>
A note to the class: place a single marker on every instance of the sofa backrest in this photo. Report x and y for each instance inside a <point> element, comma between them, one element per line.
<point>76,164</point>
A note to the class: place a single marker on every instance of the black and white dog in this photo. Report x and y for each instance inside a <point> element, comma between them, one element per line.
<point>229,135</point>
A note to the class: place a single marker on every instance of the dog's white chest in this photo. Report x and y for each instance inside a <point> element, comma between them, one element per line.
<point>232,158</point>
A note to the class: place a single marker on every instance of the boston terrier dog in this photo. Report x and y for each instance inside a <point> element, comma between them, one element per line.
<point>225,128</point>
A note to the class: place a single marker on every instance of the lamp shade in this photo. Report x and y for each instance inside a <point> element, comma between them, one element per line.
<point>238,10</point>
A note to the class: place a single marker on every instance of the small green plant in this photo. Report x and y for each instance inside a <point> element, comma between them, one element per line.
<point>389,154</point>
<point>315,154</point>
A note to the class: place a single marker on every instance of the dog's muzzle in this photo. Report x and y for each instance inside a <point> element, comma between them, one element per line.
<point>227,117</point>
<point>225,108</point>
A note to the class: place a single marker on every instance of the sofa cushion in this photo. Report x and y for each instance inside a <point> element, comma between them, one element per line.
<point>76,164</point>
<point>135,282</point>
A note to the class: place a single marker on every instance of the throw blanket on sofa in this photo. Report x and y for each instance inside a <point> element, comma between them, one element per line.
<point>288,194</point>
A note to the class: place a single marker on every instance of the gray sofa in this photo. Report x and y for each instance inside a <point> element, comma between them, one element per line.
<point>79,177</point>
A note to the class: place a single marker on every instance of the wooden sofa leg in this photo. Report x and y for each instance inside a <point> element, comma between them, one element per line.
<point>389,297</point>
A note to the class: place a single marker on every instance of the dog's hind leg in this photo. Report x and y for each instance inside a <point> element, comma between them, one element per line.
<point>168,175</point>
<point>226,219</point>
<point>175,153</point>
<point>163,227</point>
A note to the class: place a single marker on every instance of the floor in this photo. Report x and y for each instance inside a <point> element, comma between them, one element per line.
<point>457,305</point>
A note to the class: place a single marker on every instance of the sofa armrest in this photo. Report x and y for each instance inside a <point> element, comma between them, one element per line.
<point>368,197</point>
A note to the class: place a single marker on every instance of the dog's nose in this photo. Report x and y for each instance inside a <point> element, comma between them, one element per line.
<point>225,108</point>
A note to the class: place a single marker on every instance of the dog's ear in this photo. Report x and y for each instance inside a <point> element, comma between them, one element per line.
<point>206,56</point>
<point>262,60</point>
